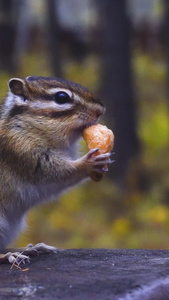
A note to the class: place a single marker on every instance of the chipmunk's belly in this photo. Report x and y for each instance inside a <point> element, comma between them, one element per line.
<point>49,191</point>
<point>31,195</point>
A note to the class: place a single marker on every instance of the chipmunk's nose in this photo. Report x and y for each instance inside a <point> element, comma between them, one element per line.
<point>100,110</point>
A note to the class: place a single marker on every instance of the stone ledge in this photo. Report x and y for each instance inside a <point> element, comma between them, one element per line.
<point>89,274</point>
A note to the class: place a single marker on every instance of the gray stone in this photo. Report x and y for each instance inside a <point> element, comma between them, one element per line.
<point>89,274</point>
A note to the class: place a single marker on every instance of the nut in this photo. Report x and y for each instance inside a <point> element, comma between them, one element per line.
<point>99,136</point>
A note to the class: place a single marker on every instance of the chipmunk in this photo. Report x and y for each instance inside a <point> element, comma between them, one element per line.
<point>41,121</point>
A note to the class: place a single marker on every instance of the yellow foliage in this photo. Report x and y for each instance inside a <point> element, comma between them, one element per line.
<point>121,227</point>
<point>35,64</point>
<point>147,67</point>
<point>158,215</point>
<point>4,77</point>
<point>86,74</point>
<point>154,129</point>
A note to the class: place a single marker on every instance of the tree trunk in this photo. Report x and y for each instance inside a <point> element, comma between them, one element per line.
<point>116,82</point>
<point>166,40</point>
<point>54,46</point>
<point>8,26</point>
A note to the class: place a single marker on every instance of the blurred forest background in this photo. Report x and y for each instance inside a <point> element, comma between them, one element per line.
<point>120,50</point>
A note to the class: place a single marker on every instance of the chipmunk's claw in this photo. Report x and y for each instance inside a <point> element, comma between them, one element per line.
<point>14,258</point>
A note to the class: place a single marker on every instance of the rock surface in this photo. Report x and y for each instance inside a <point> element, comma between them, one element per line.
<point>89,274</point>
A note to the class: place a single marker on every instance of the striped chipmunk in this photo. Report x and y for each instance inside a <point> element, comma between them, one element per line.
<point>41,121</point>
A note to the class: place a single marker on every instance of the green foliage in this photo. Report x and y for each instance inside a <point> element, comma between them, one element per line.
<point>87,73</point>
<point>154,129</point>
<point>4,77</point>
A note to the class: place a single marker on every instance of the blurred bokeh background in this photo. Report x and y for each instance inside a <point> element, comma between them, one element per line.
<point>120,50</point>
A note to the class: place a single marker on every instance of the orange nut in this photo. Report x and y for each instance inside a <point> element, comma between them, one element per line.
<point>99,136</point>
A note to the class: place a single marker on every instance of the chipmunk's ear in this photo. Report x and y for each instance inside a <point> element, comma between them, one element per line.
<point>16,86</point>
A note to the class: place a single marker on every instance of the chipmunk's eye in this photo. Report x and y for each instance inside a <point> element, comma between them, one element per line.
<point>62,98</point>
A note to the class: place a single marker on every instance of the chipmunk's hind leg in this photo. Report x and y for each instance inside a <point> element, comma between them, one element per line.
<point>37,249</point>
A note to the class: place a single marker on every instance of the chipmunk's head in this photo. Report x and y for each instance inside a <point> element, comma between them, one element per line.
<point>61,105</point>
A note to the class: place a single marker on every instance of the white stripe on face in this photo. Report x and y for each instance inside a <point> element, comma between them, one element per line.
<point>51,104</point>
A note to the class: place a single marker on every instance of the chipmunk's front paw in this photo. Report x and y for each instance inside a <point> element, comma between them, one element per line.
<point>97,163</point>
